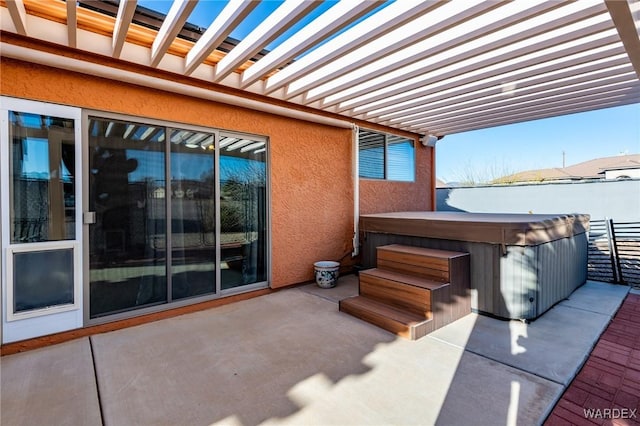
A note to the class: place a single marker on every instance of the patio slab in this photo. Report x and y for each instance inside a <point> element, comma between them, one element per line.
<point>50,386</point>
<point>602,298</point>
<point>554,346</point>
<point>426,382</point>
<point>346,286</point>
<point>610,379</point>
<point>292,358</point>
<point>238,361</point>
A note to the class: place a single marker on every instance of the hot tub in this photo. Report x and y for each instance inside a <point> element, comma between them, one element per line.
<point>521,264</point>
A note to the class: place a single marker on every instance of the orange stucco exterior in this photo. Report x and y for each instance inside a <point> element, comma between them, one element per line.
<point>311,181</point>
<point>379,196</point>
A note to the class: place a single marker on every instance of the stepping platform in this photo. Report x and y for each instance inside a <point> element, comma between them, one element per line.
<point>413,291</point>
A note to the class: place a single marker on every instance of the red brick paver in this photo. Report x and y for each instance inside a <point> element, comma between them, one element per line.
<point>606,391</point>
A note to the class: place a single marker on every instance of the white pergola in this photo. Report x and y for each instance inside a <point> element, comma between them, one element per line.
<point>427,67</point>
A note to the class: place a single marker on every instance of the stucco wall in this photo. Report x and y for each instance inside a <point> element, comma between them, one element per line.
<point>380,196</point>
<point>310,164</point>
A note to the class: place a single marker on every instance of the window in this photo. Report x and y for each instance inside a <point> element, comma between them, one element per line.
<point>42,189</point>
<point>384,156</point>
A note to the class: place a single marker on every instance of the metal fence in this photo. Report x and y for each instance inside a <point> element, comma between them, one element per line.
<point>614,252</point>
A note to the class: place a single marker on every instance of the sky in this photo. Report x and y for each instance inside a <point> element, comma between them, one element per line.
<point>498,151</point>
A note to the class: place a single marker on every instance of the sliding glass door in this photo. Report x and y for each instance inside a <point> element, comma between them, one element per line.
<point>193,214</point>
<point>243,220</point>
<point>145,214</point>
<point>127,204</point>
<point>164,223</point>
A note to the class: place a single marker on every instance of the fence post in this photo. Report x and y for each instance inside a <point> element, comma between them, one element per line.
<point>616,254</point>
<point>613,252</point>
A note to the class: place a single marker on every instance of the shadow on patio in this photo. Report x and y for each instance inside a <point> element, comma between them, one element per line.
<point>292,358</point>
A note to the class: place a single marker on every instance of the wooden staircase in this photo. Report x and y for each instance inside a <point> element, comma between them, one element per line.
<point>413,291</point>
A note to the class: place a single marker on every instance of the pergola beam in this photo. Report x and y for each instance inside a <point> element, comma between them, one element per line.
<point>418,65</point>
<point>536,114</point>
<point>275,24</point>
<point>483,66</point>
<point>217,32</point>
<point>620,91</point>
<point>386,20</point>
<point>451,63</point>
<point>444,92</point>
<point>404,43</point>
<point>327,24</point>
<point>72,23</point>
<point>620,11</point>
<point>171,26</point>
<point>126,9</point>
<point>18,15</point>
<point>511,91</point>
<point>534,96</point>
<point>517,24</point>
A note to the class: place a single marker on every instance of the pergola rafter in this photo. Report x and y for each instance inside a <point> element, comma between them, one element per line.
<point>428,67</point>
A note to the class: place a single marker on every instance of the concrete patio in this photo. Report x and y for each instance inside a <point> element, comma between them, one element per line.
<point>292,358</point>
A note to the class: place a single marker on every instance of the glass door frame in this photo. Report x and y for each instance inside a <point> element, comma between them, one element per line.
<point>48,320</point>
<point>268,249</point>
<point>170,304</point>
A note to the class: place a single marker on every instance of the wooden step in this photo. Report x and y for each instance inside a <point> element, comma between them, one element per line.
<point>413,291</point>
<point>398,321</point>
<point>422,251</point>
<point>403,278</point>
<point>400,290</point>
<point>418,261</point>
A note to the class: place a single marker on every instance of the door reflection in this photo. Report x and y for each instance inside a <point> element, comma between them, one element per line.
<point>126,244</point>
<point>242,211</point>
<point>192,195</point>
<point>154,192</point>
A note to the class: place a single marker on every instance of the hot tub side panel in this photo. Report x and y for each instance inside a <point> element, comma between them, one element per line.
<point>561,268</point>
<point>522,284</point>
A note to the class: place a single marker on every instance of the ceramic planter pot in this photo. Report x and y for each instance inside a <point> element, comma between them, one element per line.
<point>326,272</point>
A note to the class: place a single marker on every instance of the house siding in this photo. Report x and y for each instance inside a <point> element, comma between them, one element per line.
<point>310,164</point>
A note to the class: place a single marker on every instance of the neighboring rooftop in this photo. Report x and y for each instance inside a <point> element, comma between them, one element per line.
<point>441,184</point>
<point>592,169</point>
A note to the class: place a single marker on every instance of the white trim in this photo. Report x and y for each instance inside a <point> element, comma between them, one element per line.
<point>4,206</point>
<point>356,190</point>
<point>54,319</point>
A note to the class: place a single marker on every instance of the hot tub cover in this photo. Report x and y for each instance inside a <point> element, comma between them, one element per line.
<point>506,229</point>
